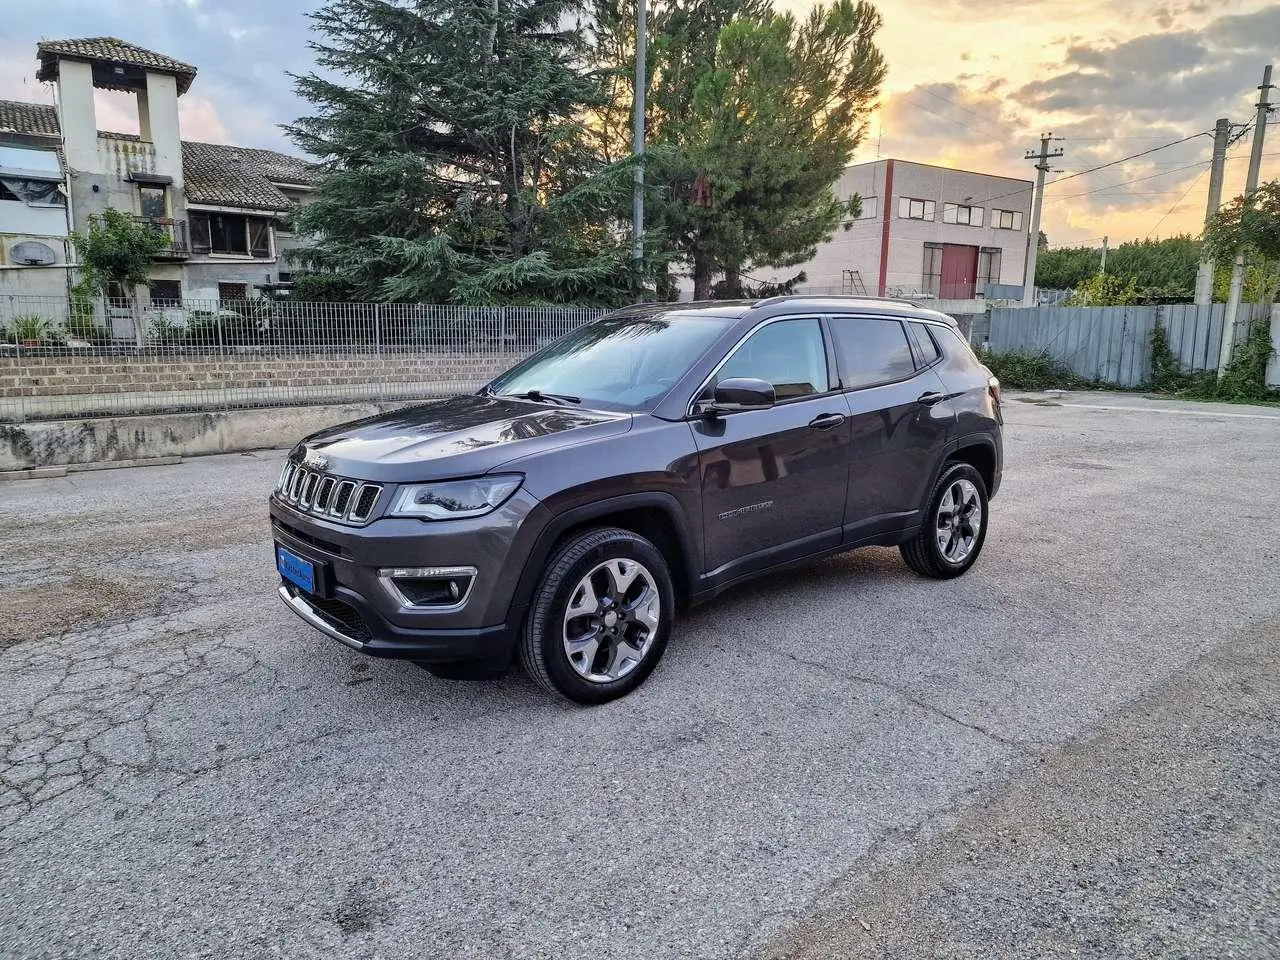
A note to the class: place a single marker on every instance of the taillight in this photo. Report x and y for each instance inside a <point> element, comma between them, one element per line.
<point>993,388</point>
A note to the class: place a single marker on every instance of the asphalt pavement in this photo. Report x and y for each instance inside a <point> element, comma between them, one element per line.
<point>1071,750</point>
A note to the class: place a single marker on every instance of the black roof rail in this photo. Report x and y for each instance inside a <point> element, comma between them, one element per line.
<point>834,296</point>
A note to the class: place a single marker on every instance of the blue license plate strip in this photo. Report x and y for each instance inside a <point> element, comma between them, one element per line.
<point>299,572</point>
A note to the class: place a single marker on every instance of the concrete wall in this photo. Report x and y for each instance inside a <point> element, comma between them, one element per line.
<point>158,114</point>
<point>77,115</point>
<point>63,443</point>
<point>201,277</point>
<point>18,219</point>
<point>21,282</point>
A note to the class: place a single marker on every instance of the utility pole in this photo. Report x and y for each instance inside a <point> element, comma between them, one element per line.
<point>1250,185</point>
<point>1103,268</point>
<point>1221,139</point>
<point>1033,238</point>
<point>637,202</point>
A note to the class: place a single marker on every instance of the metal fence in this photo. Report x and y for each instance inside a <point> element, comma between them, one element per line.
<point>67,357</point>
<point>47,325</point>
<point>1113,344</point>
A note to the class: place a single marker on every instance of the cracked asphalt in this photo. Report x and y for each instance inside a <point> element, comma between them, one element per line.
<point>1070,751</point>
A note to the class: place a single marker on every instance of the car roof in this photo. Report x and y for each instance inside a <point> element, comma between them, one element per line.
<point>736,309</point>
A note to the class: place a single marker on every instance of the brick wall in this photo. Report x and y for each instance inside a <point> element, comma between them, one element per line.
<point>71,375</point>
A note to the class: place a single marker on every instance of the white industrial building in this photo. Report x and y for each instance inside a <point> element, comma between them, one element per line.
<point>924,232</point>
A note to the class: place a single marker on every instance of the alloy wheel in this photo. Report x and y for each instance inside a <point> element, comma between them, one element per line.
<point>611,620</point>
<point>958,523</point>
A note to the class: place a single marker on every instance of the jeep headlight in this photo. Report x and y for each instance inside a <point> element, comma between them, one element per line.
<point>455,499</point>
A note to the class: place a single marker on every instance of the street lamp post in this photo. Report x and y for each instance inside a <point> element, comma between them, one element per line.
<point>637,204</point>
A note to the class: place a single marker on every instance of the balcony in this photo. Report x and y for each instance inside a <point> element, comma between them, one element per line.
<point>175,231</point>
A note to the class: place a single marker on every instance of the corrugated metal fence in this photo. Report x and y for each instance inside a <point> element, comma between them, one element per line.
<point>1113,344</point>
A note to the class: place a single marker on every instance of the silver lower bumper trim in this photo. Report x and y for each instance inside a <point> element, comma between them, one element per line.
<point>305,611</point>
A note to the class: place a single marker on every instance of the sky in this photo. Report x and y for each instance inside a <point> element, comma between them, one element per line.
<point>971,84</point>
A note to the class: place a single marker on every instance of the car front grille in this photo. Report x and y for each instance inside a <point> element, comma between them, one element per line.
<point>324,495</point>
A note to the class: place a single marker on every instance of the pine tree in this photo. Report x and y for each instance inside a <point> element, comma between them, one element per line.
<point>456,168</point>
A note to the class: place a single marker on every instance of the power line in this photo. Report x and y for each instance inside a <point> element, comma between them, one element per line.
<point>1102,166</point>
<point>1177,203</point>
<point>965,109</point>
<point>1125,183</point>
<point>1152,176</point>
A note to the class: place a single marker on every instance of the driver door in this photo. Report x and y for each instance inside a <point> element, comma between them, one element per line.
<point>773,481</point>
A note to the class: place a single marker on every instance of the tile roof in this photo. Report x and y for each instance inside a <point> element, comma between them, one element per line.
<point>230,176</point>
<point>40,119</point>
<point>216,174</point>
<point>113,50</point>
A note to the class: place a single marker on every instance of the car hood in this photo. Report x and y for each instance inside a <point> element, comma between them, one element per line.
<point>464,436</point>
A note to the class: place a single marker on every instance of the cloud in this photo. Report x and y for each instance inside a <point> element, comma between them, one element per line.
<point>242,50</point>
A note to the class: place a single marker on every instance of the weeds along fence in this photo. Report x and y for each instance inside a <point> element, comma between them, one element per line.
<point>70,358</point>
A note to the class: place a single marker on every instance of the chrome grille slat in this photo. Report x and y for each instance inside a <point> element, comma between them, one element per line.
<point>323,493</point>
<point>342,497</point>
<point>351,501</point>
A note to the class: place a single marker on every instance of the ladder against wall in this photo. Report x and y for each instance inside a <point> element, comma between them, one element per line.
<point>851,283</point>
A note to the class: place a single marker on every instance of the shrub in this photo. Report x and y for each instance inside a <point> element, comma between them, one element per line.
<point>1244,380</point>
<point>1030,371</point>
<point>32,327</point>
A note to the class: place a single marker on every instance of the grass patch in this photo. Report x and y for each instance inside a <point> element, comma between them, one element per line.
<point>1032,371</point>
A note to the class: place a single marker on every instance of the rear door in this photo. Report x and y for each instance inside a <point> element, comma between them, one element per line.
<point>899,422</point>
<point>774,481</point>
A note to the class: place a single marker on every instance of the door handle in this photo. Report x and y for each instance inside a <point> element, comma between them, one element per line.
<point>826,421</point>
<point>930,398</point>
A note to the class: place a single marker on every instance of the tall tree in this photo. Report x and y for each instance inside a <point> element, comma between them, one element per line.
<point>456,168</point>
<point>1251,224</point>
<point>752,117</point>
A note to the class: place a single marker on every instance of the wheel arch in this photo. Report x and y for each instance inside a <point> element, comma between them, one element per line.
<point>658,517</point>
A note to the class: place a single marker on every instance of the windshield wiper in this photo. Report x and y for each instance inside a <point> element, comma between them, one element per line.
<point>542,397</point>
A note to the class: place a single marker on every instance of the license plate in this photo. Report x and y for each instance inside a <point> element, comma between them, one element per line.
<point>299,572</point>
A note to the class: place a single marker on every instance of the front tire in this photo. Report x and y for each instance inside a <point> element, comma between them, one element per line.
<point>955,526</point>
<point>600,618</point>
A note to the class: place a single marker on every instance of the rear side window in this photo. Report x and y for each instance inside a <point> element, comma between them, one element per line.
<point>871,351</point>
<point>960,358</point>
<point>788,354</point>
<point>929,351</point>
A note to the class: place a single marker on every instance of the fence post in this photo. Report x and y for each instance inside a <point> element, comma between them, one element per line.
<point>502,335</point>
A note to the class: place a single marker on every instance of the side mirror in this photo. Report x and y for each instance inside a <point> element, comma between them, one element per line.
<point>739,393</point>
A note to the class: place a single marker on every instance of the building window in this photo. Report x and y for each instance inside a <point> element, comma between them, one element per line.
<point>231,233</point>
<point>931,276</point>
<point>152,202</point>
<point>233,291</point>
<point>870,209</point>
<point>166,293</point>
<point>1007,219</point>
<point>37,193</point>
<point>988,268</point>
<point>962,214</point>
<point>911,209</point>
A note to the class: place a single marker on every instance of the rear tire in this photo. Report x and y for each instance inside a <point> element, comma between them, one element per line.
<point>600,617</point>
<point>955,525</point>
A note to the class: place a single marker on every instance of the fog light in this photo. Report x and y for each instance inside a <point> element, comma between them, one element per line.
<point>438,587</point>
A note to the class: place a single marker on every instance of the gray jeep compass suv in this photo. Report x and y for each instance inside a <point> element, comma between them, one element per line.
<point>643,462</point>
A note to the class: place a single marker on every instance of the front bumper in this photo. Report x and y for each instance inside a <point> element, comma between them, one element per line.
<point>352,605</point>
<point>374,636</point>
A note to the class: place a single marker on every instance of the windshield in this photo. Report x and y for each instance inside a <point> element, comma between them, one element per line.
<point>618,363</point>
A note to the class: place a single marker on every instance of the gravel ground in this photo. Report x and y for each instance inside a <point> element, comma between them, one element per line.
<point>1072,749</point>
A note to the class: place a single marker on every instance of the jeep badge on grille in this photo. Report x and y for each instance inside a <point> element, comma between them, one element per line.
<point>315,461</point>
